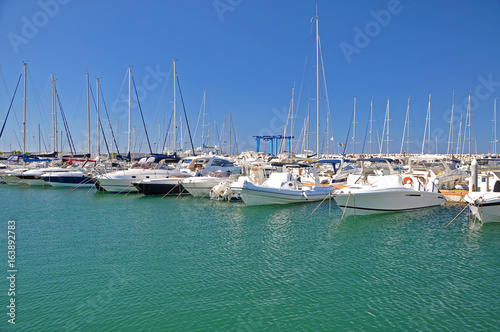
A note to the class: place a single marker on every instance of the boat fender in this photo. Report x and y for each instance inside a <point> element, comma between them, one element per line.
<point>305,195</point>
<point>407,180</point>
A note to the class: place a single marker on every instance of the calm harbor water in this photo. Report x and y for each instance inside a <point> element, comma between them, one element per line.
<point>100,262</point>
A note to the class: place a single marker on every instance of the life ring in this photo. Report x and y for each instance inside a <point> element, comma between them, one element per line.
<point>407,180</point>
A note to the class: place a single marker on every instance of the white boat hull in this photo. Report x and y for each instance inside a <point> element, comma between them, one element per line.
<point>199,186</point>
<point>361,201</point>
<point>68,179</point>
<point>121,181</point>
<point>260,195</point>
<point>485,206</point>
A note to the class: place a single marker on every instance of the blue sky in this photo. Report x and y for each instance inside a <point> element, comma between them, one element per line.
<point>248,55</point>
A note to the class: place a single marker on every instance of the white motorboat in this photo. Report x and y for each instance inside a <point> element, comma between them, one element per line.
<point>211,171</point>
<point>32,177</point>
<point>281,188</point>
<point>68,179</point>
<point>154,167</point>
<point>379,188</point>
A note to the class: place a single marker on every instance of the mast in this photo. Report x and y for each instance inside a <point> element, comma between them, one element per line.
<point>230,135</point>
<point>291,126</point>
<point>24,118</point>
<point>388,119</point>
<point>175,109</point>
<point>429,133</point>
<point>459,140</point>
<point>308,123</point>
<point>327,133</point>
<point>495,126</point>
<point>470,111</point>
<point>98,121</point>
<point>404,128</point>
<point>88,114</point>
<point>54,110</point>
<point>450,135</point>
<point>371,126</point>
<point>427,126</point>
<point>129,107</point>
<point>203,121</point>
<point>354,129</point>
<point>39,146</point>
<point>317,82</point>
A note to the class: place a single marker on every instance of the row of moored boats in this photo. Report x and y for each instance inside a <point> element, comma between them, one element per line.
<point>359,186</point>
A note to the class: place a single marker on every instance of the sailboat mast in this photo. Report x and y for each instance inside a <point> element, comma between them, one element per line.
<point>450,136</point>
<point>354,129</point>
<point>429,133</point>
<point>54,110</point>
<point>469,127</point>
<point>98,121</point>
<point>308,124</point>
<point>495,126</point>
<point>459,139</point>
<point>203,121</point>
<point>371,126</point>
<point>88,114</point>
<point>24,118</point>
<point>317,82</point>
<point>230,135</point>
<point>291,124</point>
<point>175,109</point>
<point>408,132</point>
<point>388,119</point>
<point>129,108</point>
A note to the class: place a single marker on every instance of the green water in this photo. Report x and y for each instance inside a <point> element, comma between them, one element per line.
<point>89,262</point>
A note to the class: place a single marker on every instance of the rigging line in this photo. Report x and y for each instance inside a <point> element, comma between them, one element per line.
<point>119,92</point>
<point>168,131</point>
<point>348,133</point>
<point>100,122</point>
<point>300,89</point>
<point>40,102</point>
<point>43,119</point>
<point>185,115</point>
<point>7,90</point>
<point>199,115</point>
<point>142,116</point>
<point>109,121</point>
<point>17,139</point>
<point>161,102</point>
<point>366,133</point>
<point>163,98</point>
<point>11,101</point>
<point>66,127</point>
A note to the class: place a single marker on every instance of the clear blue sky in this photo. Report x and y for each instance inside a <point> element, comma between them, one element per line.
<point>248,55</point>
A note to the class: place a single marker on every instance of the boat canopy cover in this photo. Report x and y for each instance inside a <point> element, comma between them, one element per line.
<point>31,159</point>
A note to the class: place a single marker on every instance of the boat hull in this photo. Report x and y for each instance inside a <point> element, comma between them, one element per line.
<point>77,179</point>
<point>199,187</point>
<point>161,187</point>
<point>260,195</point>
<point>385,200</point>
<point>485,206</point>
